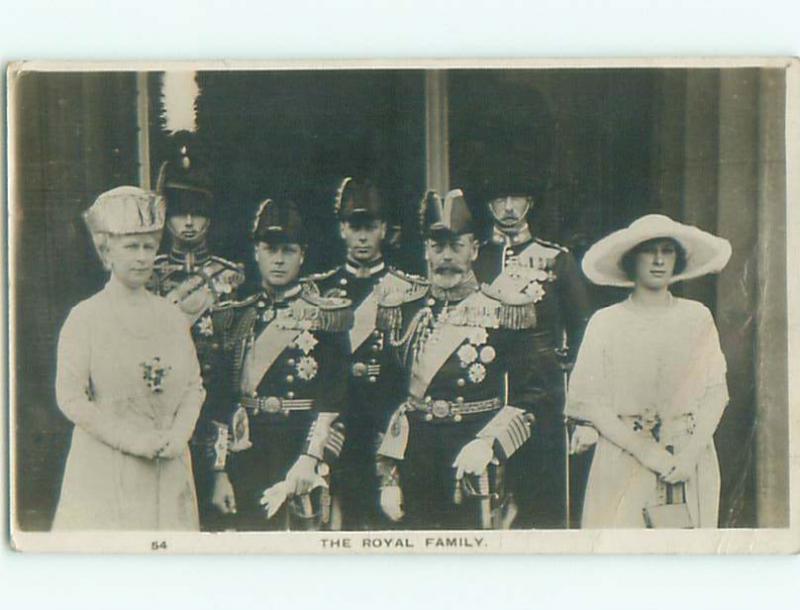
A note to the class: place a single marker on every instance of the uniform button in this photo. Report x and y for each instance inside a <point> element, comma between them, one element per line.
<point>376,348</point>
<point>290,395</point>
<point>215,346</point>
<point>430,302</point>
<point>376,333</point>
<point>289,378</point>
<point>372,379</point>
<point>290,362</point>
<point>343,281</point>
<point>373,361</point>
<point>457,417</point>
<point>206,367</point>
<point>460,400</point>
<point>428,416</point>
<point>461,383</point>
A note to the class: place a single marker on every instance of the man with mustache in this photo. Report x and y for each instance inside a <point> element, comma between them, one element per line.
<point>200,284</point>
<point>461,348</point>
<point>549,275</point>
<point>373,388</point>
<point>279,425</point>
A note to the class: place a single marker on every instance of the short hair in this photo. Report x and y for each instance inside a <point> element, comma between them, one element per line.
<point>628,262</point>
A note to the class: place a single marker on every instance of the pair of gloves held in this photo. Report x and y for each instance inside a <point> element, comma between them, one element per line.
<point>671,468</point>
<point>301,479</point>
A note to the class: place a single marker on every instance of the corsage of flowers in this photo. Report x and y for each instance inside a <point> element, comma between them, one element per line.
<point>153,372</point>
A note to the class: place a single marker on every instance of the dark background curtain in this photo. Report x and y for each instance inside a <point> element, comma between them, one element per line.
<point>75,138</point>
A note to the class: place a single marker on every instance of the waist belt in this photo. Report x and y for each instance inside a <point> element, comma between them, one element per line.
<point>452,410</point>
<point>275,404</point>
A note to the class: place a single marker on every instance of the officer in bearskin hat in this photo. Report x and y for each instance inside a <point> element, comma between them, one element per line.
<point>364,278</point>
<point>197,281</point>
<point>465,353</point>
<point>280,429</point>
<point>550,277</point>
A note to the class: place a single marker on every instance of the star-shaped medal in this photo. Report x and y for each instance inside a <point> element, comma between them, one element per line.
<point>306,342</point>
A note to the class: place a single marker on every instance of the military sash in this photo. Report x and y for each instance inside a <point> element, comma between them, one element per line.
<point>263,353</point>
<point>364,320</point>
<point>444,340</point>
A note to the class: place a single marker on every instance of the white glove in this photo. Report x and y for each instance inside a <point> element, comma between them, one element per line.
<point>392,502</point>
<point>473,458</point>
<point>583,437</point>
<point>222,497</point>
<point>274,497</point>
<point>302,476</point>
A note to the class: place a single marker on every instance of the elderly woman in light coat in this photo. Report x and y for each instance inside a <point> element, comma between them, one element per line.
<point>128,378</point>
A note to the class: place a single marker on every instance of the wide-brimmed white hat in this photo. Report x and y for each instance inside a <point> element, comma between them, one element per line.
<point>705,253</point>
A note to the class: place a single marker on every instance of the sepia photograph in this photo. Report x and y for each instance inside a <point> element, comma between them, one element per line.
<point>440,306</point>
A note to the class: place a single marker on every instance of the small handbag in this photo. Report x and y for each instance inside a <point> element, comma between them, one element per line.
<point>673,514</point>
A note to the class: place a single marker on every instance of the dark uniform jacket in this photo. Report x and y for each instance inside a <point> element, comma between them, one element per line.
<point>462,361</point>
<point>287,367</point>
<point>374,389</point>
<point>200,284</point>
<point>551,277</point>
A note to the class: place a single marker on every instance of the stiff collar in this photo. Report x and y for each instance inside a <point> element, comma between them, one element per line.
<point>274,295</point>
<point>511,239</point>
<point>456,293</point>
<point>189,259</point>
<point>364,271</point>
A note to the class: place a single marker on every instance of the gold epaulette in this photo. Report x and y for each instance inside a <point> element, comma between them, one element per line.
<point>408,277</point>
<point>234,304</point>
<point>389,316</point>
<point>334,314</point>
<point>516,310</point>
<point>227,264</point>
<point>323,275</point>
<point>551,244</point>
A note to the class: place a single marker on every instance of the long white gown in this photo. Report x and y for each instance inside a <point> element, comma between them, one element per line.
<point>653,365</point>
<point>102,387</point>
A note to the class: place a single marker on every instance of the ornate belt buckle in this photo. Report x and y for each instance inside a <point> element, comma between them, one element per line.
<point>440,408</point>
<point>273,404</point>
<point>359,369</point>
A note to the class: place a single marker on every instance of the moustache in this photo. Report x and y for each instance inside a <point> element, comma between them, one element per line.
<point>447,269</point>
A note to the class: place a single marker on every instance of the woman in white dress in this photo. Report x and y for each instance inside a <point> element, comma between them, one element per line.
<point>649,378</point>
<point>129,380</point>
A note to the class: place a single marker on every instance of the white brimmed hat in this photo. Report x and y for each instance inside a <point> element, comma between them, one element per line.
<point>705,253</point>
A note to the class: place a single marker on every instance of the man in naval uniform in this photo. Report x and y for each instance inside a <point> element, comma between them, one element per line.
<point>464,350</point>
<point>550,276</point>
<point>373,388</point>
<point>288,350</point>
<point>200,284</point>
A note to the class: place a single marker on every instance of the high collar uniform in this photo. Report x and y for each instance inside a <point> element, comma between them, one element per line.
<point>551,277</point>
<point>464,355</point>
<point>287,355</point>
<point>373,388</point>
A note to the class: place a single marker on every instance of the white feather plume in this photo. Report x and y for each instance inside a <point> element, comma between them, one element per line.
<point>179,91</point>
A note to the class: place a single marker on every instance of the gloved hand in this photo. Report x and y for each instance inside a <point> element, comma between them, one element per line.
<point>222,497</point>
<point>302,476</point>
<point>684,466</point>
<point>473,458</point>
<point>583,437</point>
<point>655,457</point>
<point>391,501</point>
